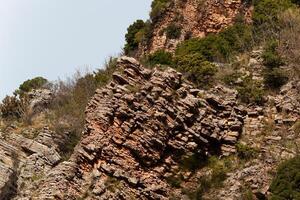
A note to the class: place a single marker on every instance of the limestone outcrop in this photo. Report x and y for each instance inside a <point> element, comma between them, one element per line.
<point>139,129</point>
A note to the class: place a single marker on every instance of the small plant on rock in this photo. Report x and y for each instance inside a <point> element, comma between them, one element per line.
<point>173,31</point>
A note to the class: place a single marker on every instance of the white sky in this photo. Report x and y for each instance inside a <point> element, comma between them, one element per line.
<point>53,38</point>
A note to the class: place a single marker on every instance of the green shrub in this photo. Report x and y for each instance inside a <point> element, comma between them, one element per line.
<point>275,78</point>
<point>133,31</point>
<point>158,8</point>
<point>286,184</point>
<point>251,92</point>
<point>160,57</point>
<point>192,162</point>
<point>204,47</point>
<point>219,47</point>
<point>31,84</point>
<point>173,31</point>
<point>196,68</point>
<point>235,39</point>
<point>245,152</point>
<point>266,11</point>
<point>271,57</point>
<point>218,175</point>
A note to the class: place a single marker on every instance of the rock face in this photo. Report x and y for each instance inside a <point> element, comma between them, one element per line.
<point>24,162</point>
<point>39,99</point>
<point>196,19</point>
<point>139,130</point>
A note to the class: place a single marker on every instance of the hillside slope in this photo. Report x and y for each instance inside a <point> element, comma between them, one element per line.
<point>208,109</point>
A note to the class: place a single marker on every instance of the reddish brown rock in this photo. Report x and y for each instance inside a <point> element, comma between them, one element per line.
<point>138,130</point>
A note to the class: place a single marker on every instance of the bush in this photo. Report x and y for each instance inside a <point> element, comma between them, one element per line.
<point>160,57</point>
<point>286,184</point>
<point>266,11</point>
<point>31,84</point>
<point>196,68</point>
<point>158,8</point>
<point>271,57</point>
<point>275,78</point>
<point>219,47</point>
<point>251,92</point>
<point>206,183</point>
<point>132,41</point>
<point>245,152</point>
<point>204,47</point>
<point>173,31</point>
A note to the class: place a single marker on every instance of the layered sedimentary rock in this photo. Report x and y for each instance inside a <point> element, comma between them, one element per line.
<point>138,130</point>
<point>23,162</point>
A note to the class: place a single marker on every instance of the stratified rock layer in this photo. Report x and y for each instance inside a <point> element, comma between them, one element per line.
<point>138,130</point>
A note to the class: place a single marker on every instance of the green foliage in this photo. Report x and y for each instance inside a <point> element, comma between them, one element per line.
<point>160,57</point>
<point>132,36</point>
<point>218,175</point>
<point>286,184</point>
<point>271,57</point>
<point>31,84</point>
<point>173,31</point>
<point>158,8</point>
<point>192,162</point>
<point>220,46</point>
<point>245,152</point>
<point>266,11</point>
<point>250,91</point>
<point>275,78</point>
<point>196,68</point>
<point>137,33</point>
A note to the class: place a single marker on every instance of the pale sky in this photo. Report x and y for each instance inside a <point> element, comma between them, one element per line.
<point>54,38</point>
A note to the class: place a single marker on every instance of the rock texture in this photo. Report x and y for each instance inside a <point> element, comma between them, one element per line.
<point>139,128</point>
<point>269,130</point>
<point>39,99</point>
<point>24,162</point>
<point>149,128</point>
<point>197,19</point>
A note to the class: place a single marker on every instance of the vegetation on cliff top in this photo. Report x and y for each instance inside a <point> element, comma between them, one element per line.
<point>271,28</point>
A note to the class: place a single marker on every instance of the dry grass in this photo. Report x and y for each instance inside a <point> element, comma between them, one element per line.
<point>290,39</point>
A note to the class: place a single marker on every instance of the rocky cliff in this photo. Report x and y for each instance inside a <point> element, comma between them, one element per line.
<point>152,134</point>
<point>194,19</point>
<point>145,130</point>
<point>140,129</point>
